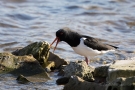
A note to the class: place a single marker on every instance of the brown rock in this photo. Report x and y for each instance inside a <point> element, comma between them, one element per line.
<point>57,60</point>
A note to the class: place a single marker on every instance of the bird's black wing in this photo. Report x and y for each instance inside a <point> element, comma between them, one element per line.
<point>97,44</point>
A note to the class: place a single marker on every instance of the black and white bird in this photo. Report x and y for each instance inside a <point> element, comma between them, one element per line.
<point>84,45</point>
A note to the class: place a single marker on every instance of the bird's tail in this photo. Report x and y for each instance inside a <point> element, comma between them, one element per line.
<point>114,46</point>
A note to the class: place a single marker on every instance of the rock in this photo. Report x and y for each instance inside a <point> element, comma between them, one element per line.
<point>80,69</point>
<point>39,50</point>
<point>49,66</point>
<point>26,65</point>
<point>122,84</point>
<point>121,68</point>
<point>101,71</point>
<point>22,80</point>
<point>109,57</point>
<point>76,83</point>
<point>63,80</point>
<point>57,60</point>
<point>61,70</point>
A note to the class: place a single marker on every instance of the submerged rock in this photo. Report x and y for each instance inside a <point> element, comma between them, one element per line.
<point>76,83</point>
<point>80,69</point>
<point>39,50</point>
<point>25,65</point>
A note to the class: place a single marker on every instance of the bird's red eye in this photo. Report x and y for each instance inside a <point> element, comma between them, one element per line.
<point>61,33</point>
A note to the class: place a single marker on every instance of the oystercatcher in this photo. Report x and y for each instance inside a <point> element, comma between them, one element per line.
<point>84,45</point>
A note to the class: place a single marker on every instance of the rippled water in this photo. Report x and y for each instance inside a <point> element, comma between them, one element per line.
<point>25,21</point>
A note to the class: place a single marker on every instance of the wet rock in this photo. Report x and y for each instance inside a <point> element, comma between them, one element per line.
<point>49,66</point>
<point>39,50</point>
<point>63,80</point>
<point>26,65</point>
<point>57,60</point>
<point>61,70</point>
<point>76,83</point>
<point>122,84</point>
<point>121,68</point>
<point>21,79</point>
<point>80,69</point>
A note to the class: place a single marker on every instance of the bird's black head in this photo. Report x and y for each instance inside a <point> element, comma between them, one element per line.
<point>61,34</point>
<point>69,36</point>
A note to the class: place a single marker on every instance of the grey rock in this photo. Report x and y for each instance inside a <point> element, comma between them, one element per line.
<point>121,68</point>
<point>101,71</point>
<point>80,69</point>
<point>122,84</point>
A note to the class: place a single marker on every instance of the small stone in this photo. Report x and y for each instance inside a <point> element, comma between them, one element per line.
<point>63,80</point>
<point>22,80</point>
<point>61,72</point>
<point>101,71</point>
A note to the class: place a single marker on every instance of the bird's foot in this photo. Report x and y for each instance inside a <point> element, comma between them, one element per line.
<point>87,61</point>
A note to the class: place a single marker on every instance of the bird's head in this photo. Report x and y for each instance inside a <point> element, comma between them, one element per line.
<point>60,36</point>
<point>66,35</point>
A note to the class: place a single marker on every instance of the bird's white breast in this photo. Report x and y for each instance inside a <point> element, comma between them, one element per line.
<point>86,51</point>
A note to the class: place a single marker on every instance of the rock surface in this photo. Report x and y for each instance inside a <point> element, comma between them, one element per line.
<point>76,83</point>
<point>57,60</point>
<point>22,80</point>
<point>122,84</point>
<point>101,71</point>
<point>118,76</point>
<point>121,68</point>
<point>39,50</point>
<point>26,65</point>
<point>80,69</point>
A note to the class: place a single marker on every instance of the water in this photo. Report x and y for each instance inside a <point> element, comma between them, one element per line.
<point>25,21</point>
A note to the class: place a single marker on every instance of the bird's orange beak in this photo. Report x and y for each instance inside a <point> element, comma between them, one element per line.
<point>56,39</point>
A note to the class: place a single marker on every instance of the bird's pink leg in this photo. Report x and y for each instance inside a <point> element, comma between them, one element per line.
<point>87,61</point>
